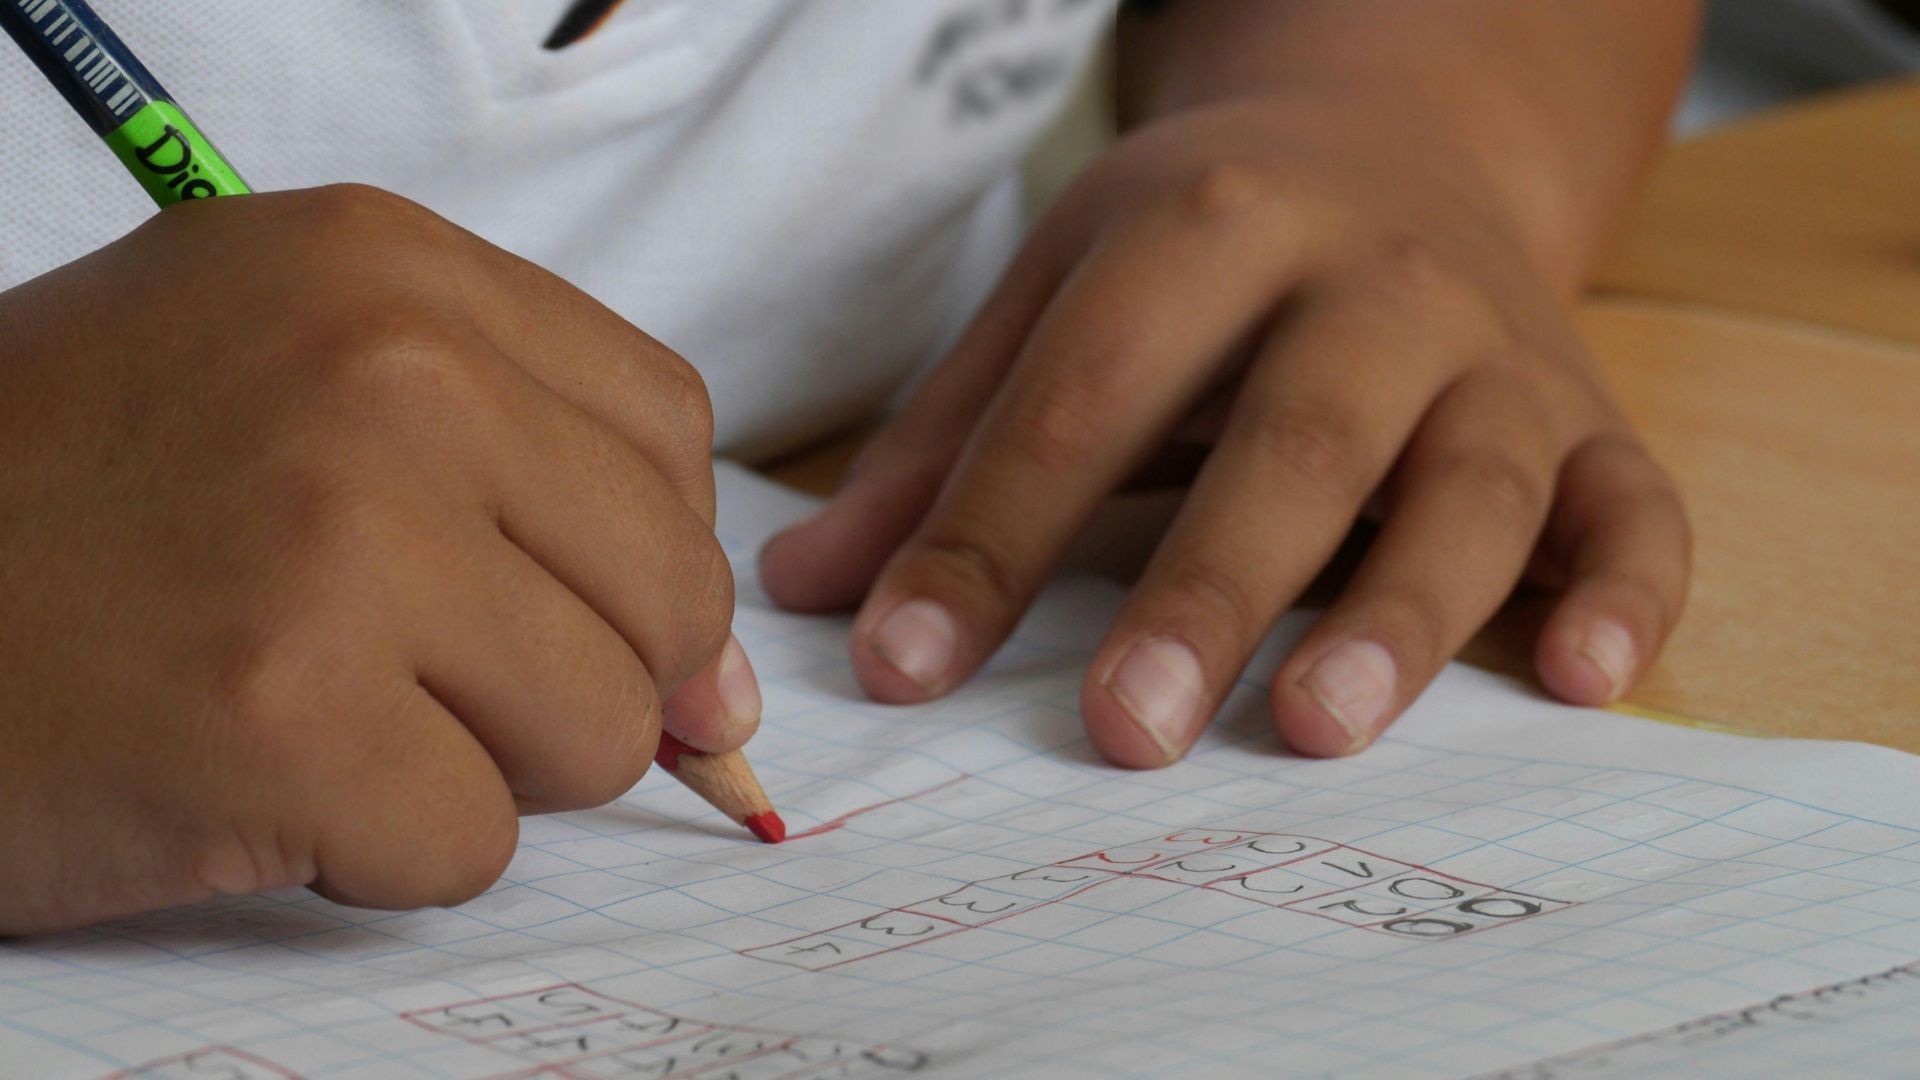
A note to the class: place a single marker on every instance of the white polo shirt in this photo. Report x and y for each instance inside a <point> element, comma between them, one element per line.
<point>804,197</point>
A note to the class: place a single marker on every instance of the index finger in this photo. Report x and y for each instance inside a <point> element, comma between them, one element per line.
<point>1134,336</point>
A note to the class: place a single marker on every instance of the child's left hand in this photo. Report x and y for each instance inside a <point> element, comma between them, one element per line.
<point>1348,312</point>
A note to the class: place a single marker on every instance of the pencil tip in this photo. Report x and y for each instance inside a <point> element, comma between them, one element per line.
<point>767,826</point>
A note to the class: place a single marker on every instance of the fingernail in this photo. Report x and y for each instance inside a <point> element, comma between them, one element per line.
<point>1354,684</point>
<point>1610,648</point>
<point>1161,687</point>
<point>918,639</point>
<point>739,688</point>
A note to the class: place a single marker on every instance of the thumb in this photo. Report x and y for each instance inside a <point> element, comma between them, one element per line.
<point>718,709</point>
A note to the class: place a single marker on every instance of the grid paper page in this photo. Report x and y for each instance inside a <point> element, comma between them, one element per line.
<point>1502,885</point>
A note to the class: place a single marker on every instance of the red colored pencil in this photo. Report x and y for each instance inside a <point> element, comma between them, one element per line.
<point>726,781</point>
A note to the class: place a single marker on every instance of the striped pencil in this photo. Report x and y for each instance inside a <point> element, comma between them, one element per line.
<point>120,100</point>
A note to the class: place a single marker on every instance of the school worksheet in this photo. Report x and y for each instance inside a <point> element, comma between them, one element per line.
<point>1501,887</point>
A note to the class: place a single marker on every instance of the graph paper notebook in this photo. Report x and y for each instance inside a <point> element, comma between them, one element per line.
<point>1501,885</point>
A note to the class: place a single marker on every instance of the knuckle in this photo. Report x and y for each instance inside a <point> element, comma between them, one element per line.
<point>406,365</point>
<point>1502,485</point>
<point>1228,191</point>
<point>1415,620</point>
<point>1220,597</point>
<point>358,212</point>
<point>1058,428</point>
<point>1405,271</point>
<point>972,565</point>
<point>1318,445</point>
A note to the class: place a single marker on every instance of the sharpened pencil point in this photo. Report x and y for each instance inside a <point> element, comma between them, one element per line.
<point>767,826</point>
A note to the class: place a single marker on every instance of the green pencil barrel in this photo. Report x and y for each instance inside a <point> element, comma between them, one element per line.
<point>171,159</point>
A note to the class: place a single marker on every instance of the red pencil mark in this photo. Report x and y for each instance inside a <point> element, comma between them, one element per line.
<point>574,1032</point>
<point>823,829</point>
<point>1365,891</point>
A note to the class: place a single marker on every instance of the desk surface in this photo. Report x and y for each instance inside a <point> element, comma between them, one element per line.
<point>1760,320</point>
<point>1797,453</point>
<point>1810,213</point>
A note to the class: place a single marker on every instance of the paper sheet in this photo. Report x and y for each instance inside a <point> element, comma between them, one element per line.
<point>1500,885</point>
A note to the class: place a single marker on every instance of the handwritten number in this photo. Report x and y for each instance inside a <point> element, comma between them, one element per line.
<point>1484,907</point>
<point>1426,927</point>
<point>477,1021</point>
<point>1407,887</point>
<point>1182,865</point>
<point>560,1006</point>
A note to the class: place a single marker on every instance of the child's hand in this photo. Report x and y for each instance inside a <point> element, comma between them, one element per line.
<point>1356,315</point>
<point>331,537</point>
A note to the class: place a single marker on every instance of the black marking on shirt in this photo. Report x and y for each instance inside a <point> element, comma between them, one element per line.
<point>580,21</point>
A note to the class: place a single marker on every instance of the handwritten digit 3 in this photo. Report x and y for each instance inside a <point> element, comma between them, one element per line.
<point>1223,868</point>
<point>974,905</point>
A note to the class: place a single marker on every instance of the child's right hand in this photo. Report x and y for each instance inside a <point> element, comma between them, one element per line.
<point>330,538</point>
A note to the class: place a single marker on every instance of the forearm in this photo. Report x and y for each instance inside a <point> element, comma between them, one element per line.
<point>1558,105</point>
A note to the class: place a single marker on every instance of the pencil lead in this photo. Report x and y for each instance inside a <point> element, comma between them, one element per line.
<point>767,826</point>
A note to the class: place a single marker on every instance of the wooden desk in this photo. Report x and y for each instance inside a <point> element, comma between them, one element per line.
<point>1810,212</point>
<point>1758,263</point>
<point>1799,456</point>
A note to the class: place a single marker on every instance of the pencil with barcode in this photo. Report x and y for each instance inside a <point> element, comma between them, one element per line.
<point>120,100</point>
<point>153,137</point>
